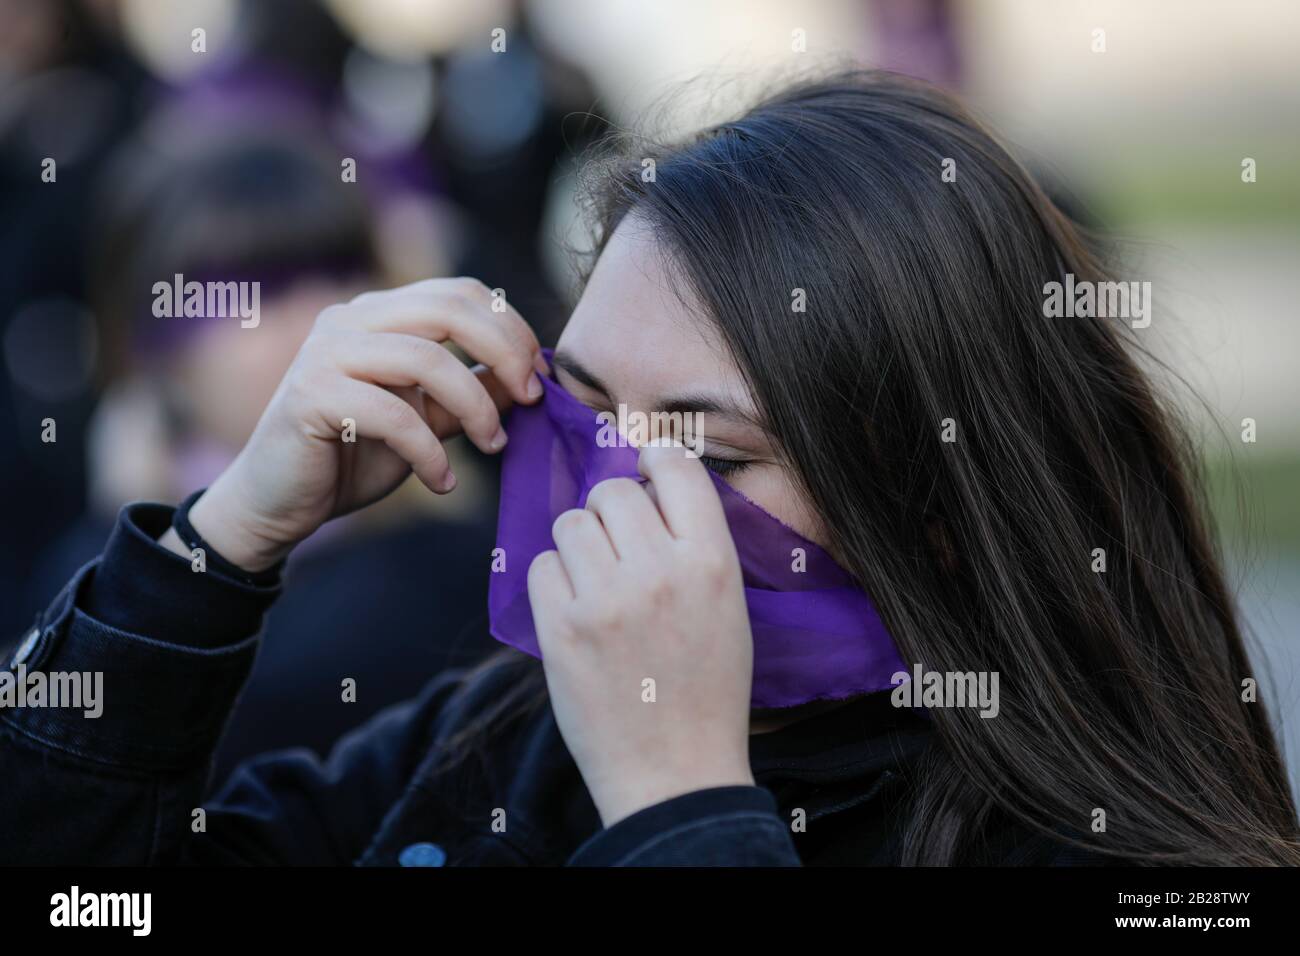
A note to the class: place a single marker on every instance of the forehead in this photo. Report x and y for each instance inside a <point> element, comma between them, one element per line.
<point>639,330</point>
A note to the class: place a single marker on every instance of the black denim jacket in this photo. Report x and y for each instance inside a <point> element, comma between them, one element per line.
<point>176,646</point>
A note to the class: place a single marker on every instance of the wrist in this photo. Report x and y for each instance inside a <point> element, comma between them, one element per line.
<point>219,523</point>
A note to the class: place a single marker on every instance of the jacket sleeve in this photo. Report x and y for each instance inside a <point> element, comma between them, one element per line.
<point>169,649</point>
<point>720,826</point>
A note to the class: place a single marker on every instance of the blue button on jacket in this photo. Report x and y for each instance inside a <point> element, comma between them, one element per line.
<point>422,854</point>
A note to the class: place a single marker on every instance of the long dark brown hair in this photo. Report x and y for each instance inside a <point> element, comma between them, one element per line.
<point>1121,690</point>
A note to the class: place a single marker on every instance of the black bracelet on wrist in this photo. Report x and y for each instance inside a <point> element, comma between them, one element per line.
<point>214,561</point>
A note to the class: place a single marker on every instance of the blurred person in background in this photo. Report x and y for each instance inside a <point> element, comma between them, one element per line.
<point>472,146</point>
<point>259,201</point>
<point>70,91</point>
<point>504,126</point>
<point>493,132</point>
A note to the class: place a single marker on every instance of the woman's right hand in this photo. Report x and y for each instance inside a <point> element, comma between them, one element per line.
<point>376,362</point>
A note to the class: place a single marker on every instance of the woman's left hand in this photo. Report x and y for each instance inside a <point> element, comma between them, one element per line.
<point>645,638</point>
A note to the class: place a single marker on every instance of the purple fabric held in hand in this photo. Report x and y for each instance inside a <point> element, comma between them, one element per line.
<point>816,634</point>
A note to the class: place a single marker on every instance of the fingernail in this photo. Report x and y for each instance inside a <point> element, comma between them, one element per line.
<point>448,482</point>
<point>534,387</point>
<point>539,363</point>
<point>498,441</point>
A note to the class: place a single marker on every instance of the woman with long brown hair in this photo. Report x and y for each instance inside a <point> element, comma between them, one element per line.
<point>978,488</point>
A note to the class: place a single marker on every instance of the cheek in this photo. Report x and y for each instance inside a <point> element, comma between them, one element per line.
<point>772,489</point>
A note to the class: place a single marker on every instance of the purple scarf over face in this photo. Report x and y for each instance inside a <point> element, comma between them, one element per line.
<point>816,635</point>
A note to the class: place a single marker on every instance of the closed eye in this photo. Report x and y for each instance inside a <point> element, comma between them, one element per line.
<point>722,467</point>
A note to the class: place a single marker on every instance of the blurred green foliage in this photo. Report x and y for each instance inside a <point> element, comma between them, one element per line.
<point>1256,502</point>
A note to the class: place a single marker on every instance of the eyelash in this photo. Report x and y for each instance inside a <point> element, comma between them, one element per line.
<point>722,467</point>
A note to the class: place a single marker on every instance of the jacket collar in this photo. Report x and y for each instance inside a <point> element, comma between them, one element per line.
<point>865,734</point>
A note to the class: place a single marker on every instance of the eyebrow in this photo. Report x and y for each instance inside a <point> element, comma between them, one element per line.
<point>564,360</point>
<point>685,403</point>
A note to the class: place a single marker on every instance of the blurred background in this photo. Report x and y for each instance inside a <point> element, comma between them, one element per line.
<point>220,153</point>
